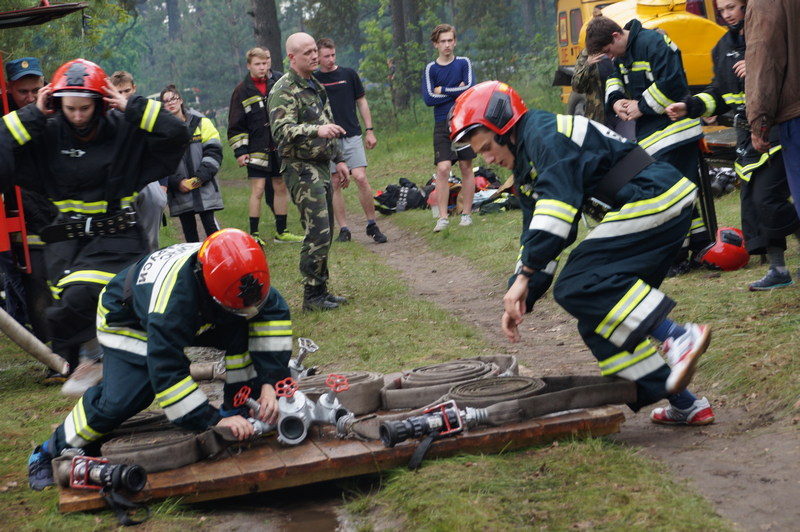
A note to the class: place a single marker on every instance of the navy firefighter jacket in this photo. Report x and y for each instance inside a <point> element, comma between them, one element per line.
<point>166,308</point>
<point>560,161</point>
<point>651,72</point>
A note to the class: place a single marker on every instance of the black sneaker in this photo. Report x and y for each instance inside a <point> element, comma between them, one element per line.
<point>54,378</point>
<point>40,469</point>
<point>344,235</point>
<point>375,233</point>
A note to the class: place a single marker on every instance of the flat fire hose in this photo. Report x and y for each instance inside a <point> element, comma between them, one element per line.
<point>363,396</point>
<point>421,386</point>
<point>516,399</point>
<point>151,441</point>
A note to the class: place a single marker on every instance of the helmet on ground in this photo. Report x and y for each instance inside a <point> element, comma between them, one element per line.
<point>491,104</point>
<point>727,253</point>
<point>235,271</point>
<point>79,77</point>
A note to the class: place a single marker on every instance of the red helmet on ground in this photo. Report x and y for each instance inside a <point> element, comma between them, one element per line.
<point>491,104</point>
<point>79,77</point>
<point>728,252</point>
<point>235,271</point>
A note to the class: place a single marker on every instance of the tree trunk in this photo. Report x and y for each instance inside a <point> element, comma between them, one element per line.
<point>401,93</point>
<point>267,30</point>
<point>173,20</point>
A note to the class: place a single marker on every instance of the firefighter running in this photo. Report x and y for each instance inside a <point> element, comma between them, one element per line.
<point>610,281</point>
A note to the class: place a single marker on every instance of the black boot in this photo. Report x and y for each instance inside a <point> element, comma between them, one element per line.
<point>315,298</point>
<point>339,300</point>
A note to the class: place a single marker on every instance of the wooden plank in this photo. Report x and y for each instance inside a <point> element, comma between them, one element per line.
<point>321,457</point>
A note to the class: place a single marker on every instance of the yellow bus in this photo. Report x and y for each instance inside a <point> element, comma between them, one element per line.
<point>691,24</point>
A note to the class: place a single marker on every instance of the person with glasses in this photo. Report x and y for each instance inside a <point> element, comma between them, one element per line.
<point>193,189</point>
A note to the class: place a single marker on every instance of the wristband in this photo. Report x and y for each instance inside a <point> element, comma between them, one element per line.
<point>229,413</point>
<point>525,273</point>
<point>369,129</point>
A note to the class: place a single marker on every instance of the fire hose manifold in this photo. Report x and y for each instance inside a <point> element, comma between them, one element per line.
<point>296,412</point>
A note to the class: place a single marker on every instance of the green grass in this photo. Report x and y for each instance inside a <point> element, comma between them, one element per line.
<point>580,484</point>
<point>587,484</point>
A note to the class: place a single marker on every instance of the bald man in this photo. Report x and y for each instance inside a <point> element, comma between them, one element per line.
<point>308,140</point>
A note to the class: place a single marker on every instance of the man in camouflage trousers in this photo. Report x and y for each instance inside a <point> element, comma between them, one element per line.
<point>302,125</point>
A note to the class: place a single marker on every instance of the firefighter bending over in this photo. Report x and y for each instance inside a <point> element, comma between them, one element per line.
<point>564,165</point>
<point>217,294</point>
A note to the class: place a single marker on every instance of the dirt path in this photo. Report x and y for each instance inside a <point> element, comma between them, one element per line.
<point>748,467</point>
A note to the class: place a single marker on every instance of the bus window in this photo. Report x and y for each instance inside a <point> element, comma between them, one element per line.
<point>575,24</point>
<point>698,7</point>
<point>562,29</point>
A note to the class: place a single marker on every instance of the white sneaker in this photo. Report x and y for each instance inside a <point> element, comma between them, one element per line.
<point>441,224</point>
<point>87,374</point>
<point>683,353</point>
<point>466,220</point>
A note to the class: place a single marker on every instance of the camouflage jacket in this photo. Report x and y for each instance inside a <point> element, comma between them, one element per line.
<point>297,108</point>
<point>586,80</point>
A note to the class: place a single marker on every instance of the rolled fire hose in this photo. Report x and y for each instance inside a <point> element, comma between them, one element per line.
<point>363,396</point>
<point>30,344</point>
<point>422,386</point>
<point>513,399</point>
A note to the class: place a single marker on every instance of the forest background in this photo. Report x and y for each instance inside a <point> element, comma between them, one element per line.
<point>199,45</point>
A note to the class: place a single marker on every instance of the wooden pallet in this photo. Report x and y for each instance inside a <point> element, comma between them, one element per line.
<point>270,466</point>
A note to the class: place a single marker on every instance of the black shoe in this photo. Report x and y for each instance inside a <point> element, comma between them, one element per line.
<point>680,268</point>
<point>344,235</point>
<point>316,298</point>
<point>40,469</point>
<point>54,378</point>
<point>339,300</point>
<point>375,233</point>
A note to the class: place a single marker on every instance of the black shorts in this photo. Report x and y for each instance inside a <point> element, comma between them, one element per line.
<point>274,170</point>
<point>443,149</point>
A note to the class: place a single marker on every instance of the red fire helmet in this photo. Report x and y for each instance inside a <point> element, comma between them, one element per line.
<point>727,253</point>
<point>235,271</point>
<point>491,104</point>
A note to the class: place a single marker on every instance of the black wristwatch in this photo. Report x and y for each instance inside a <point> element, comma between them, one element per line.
<point>526,273</point>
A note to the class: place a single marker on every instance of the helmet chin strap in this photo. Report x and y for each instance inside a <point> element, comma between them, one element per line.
<point>505,140</point>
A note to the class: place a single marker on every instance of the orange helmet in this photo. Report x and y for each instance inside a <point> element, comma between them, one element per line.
<point>727,253</point>
<point>235,271</point>
<point>491,104</point>
<point>79,77</point>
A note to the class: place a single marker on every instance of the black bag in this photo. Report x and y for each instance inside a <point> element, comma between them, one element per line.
<point>396,198</point>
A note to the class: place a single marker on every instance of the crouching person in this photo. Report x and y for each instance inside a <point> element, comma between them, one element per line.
<point>564,165</point>
<point>215,293</point>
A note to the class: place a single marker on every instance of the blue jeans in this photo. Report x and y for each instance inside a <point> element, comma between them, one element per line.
<point>790,140</point>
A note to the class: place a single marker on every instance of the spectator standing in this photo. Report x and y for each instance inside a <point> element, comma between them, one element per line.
<point>773,80</point>
<point>768,216</point>
<point>307,136</point>
<point>152,199</point>
<point>611,280</point>
<point>193,188</point>
<point>90,163</point>
<point>442,82</point>
<point>250,137</point>
<point>27,295</point>
<point>346,92</point>
<point>649,76</point>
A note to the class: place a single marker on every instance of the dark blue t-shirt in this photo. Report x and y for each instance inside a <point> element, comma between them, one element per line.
<point>449,77</point>
<point>344,87</point>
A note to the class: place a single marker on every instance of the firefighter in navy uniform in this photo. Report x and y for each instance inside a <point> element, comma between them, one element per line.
<point>90,164</point>
<point>216,293</point>
<point>610,281</point>
<point>768,216</point>
<point>648,77</point>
